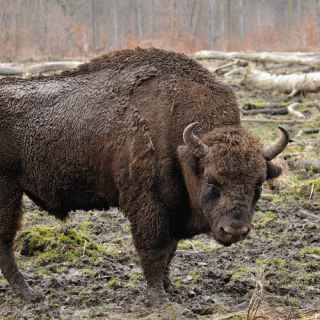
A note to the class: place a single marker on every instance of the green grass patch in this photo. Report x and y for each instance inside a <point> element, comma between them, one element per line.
<point>263,219</point>
<point>113,283</point>
<point>134,279</point>
<point>310,250</point>
<point>276,262</point>
<point>241,273</point>
<point>297,189</point>
<point>198,245</point>
<point>55,244</point>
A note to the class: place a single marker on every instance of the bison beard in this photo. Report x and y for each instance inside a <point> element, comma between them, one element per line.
<point>120,131</point>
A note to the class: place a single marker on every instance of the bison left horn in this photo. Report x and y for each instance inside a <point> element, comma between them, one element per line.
<point>270,152</point>
<point>198,148</point>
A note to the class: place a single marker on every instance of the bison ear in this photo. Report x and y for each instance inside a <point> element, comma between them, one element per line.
<point>273,171</point>
<point>190,170</point>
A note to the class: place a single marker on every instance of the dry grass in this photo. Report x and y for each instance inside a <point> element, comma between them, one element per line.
<point>258,308</point>
<point>256,299</point>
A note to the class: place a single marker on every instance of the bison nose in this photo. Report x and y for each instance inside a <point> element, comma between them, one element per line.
<point>239,231</point>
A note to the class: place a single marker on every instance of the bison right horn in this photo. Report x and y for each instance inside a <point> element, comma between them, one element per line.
<point>198,148</point>
<point>270,152</point>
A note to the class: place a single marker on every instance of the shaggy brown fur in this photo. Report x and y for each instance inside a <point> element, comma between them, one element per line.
<point>110,134</point>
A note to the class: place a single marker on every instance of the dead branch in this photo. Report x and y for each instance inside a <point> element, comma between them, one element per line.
<point>305,213</point>
<point>224,66</point>
<point>293,93</point>
<point>256,299</point>
<point>274,121</point>
<point>270,111</point>
<point>233,72</point>
<point>290,58</point>
<point>234,65</point>
<point>311,192</point>
<point>292,108</point>
<point>252,105</point>
<point>308,131</point>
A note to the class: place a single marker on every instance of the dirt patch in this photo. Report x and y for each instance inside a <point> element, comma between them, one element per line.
<point>92,272</point>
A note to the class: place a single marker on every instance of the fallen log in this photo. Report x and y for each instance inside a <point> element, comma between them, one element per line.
<point>308,165</point>
<point>307,131</point>
<point>278,121</point>
<point>264,57</point>
<point>292,109</point>
<point>19,70</point>
<point>310,131</point>
<point>6,70</point>
<point>294,83</point>
<point>253,106</point>
<point>270,111</point>
<point>55,66</point>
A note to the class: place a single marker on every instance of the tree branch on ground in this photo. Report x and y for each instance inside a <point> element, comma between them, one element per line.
<point>273,111</point>
<point>308,131</point>
<point>257,298</point>
<point>228,65</point>
<point>292,108</point>
<point>274,121</point>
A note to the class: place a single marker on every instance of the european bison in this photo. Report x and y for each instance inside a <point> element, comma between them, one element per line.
<point>149,131</point>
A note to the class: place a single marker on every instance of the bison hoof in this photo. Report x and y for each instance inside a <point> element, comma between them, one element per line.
<point>30,296</point>
<point>156,297</point>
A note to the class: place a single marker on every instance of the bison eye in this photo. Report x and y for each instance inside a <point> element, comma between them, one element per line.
<point>214,189</point>
<point>211,191</point>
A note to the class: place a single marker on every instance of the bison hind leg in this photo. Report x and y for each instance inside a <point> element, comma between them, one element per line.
<point>10,217</point>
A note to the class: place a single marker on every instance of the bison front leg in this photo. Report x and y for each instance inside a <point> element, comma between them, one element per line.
<point>154,264</point>
<point>150,228</point>
<point>166,281</point>
<point>10,215</point>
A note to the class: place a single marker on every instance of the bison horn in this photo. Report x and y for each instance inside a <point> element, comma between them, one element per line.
<point>199,149</point>
<point>270,152</point>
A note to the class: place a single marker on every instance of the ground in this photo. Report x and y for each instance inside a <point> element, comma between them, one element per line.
<point>87,268</point>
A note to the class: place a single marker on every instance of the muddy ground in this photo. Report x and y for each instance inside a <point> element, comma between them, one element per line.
<point>87,268</point>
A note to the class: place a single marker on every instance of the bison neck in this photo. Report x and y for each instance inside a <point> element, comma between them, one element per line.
<point>190,220</point>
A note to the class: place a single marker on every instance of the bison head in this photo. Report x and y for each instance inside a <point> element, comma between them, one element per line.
<point>224,172</point>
